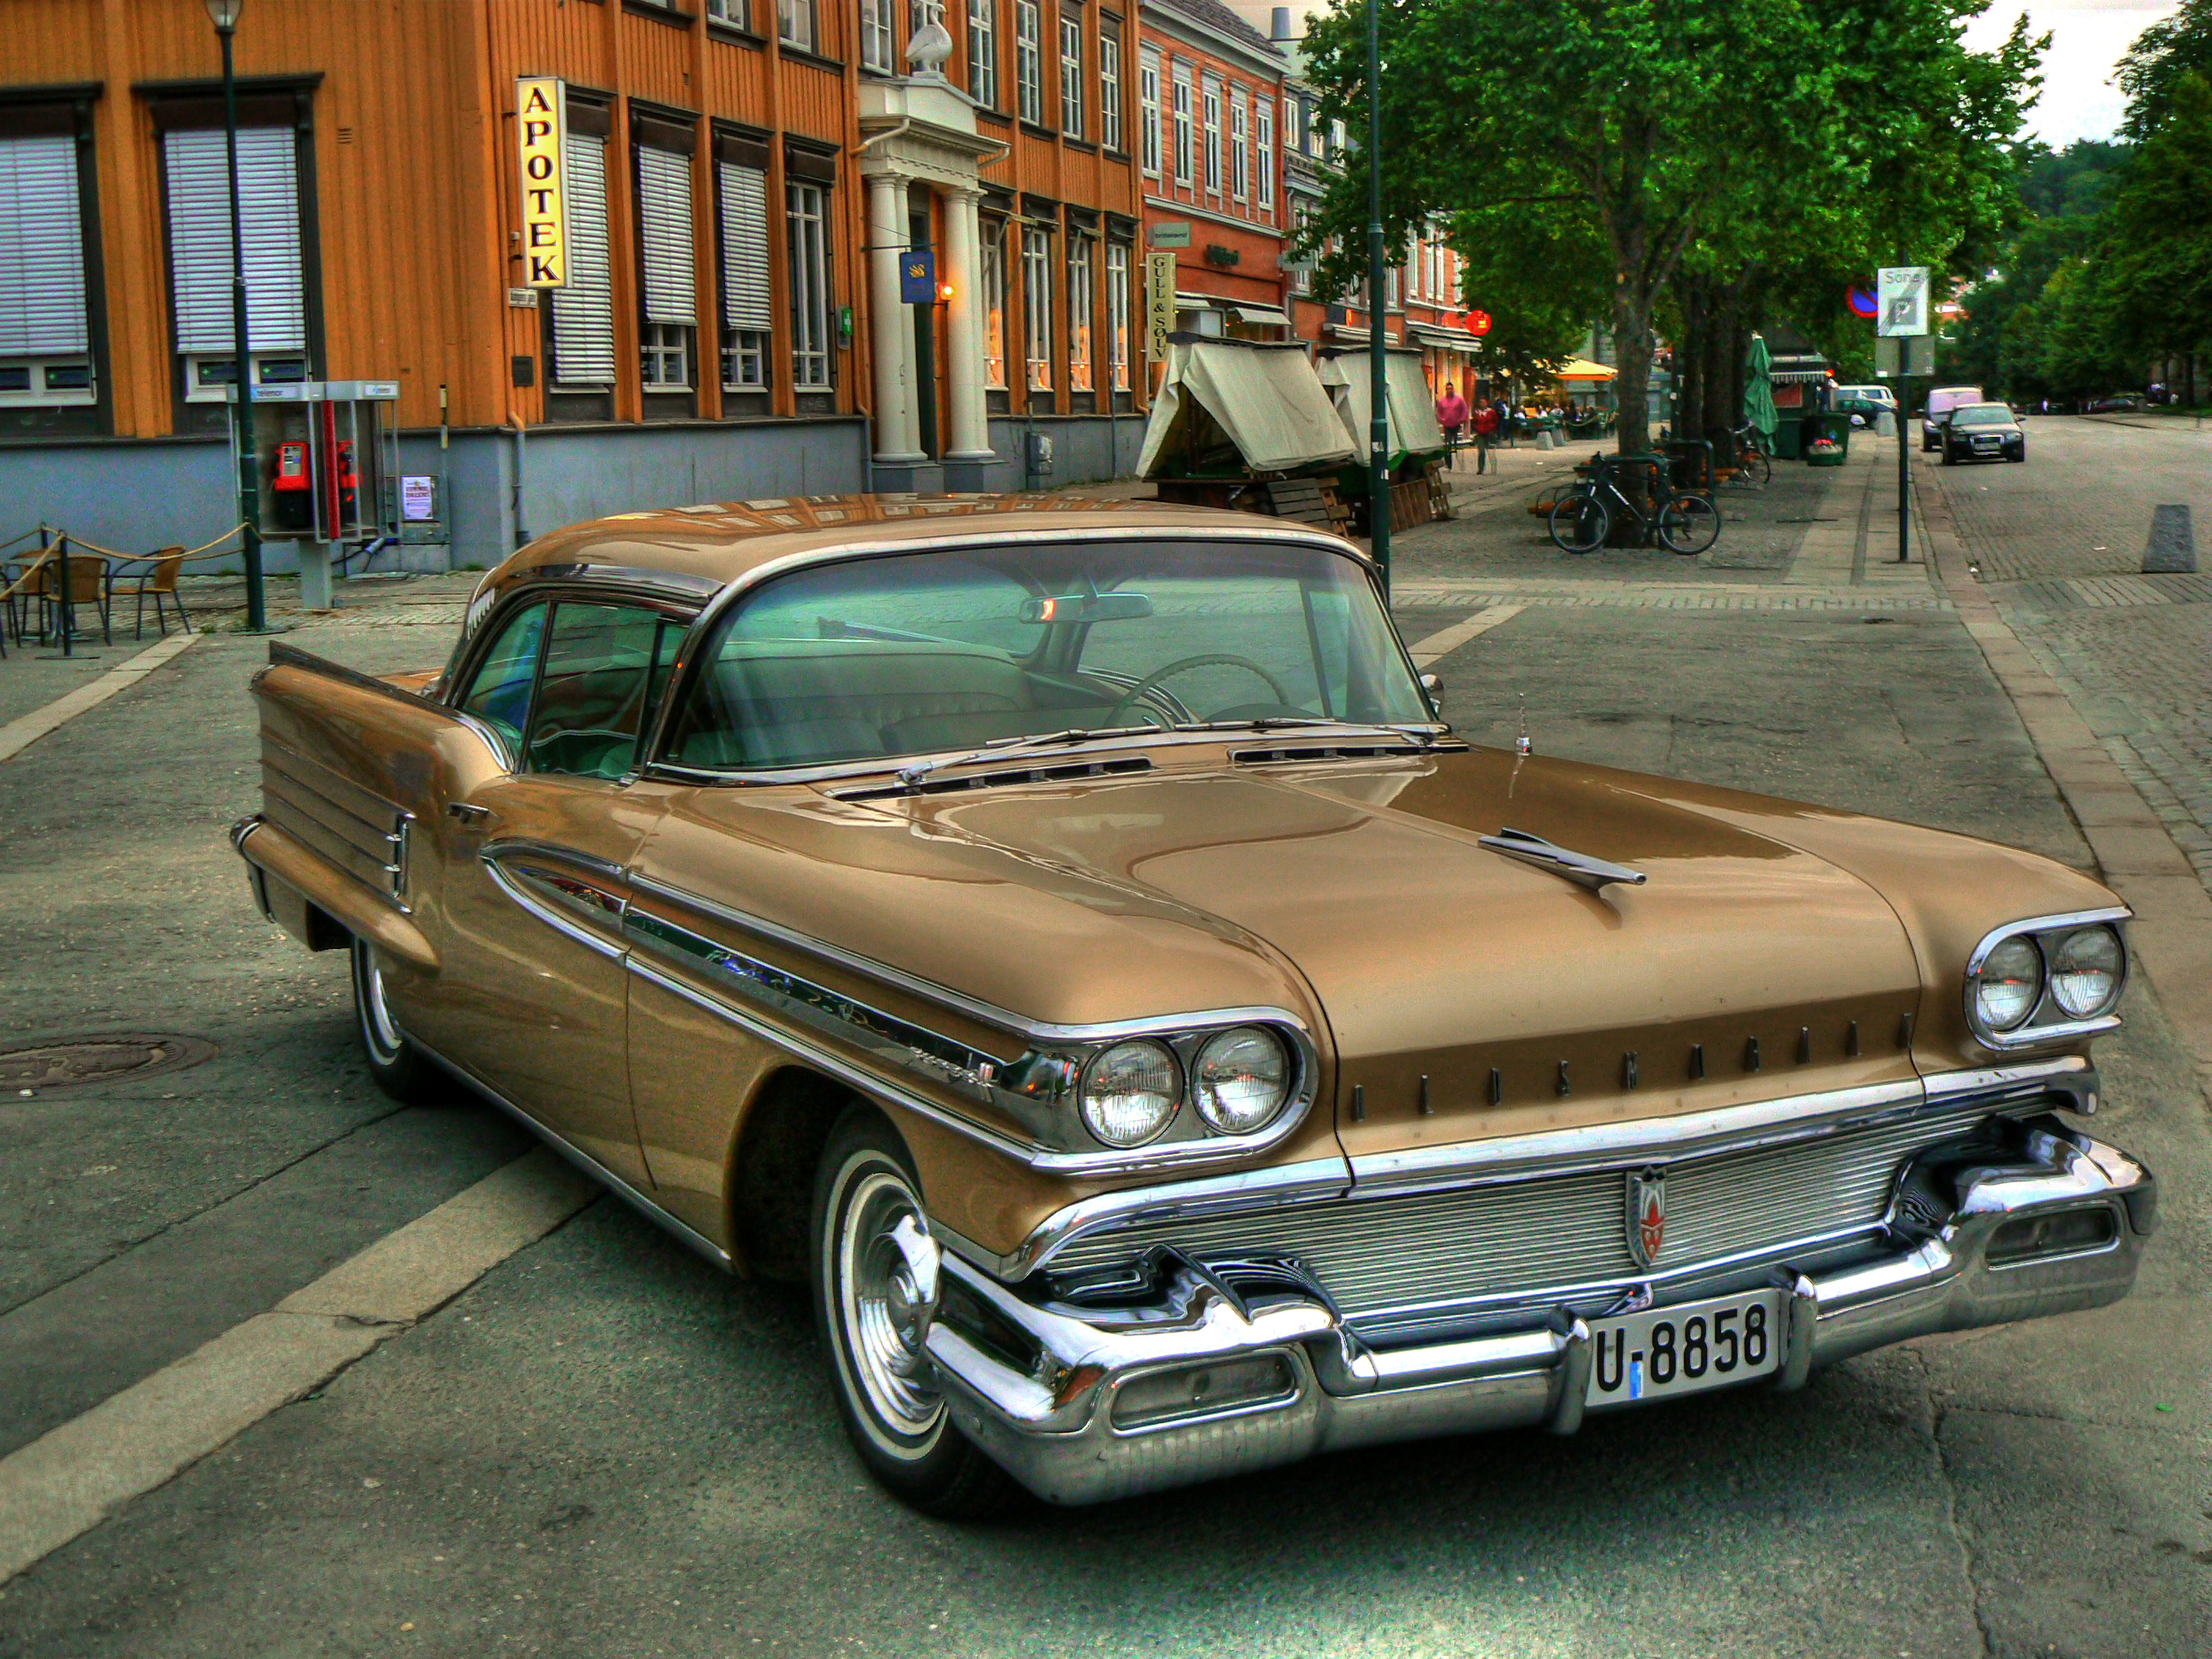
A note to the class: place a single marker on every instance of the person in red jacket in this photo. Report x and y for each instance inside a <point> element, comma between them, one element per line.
<point>1485,432</point>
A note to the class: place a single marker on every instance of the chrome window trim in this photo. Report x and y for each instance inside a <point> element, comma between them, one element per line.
<point>680,677</point>
<point>2029,1033</point>
<point>1519,1158</point>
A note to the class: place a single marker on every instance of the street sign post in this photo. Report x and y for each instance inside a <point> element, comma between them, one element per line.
<point>1900,329</point>
<point>1160,304</point>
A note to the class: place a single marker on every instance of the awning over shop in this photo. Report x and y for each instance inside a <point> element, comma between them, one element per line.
<point>1413,426</point>
<point>1261,401</point>
<point>1451,339</point>
<point>1262,316</point>
<point>1581,369</point>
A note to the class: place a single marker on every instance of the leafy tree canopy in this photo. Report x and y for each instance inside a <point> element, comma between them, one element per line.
<point>2169,49</point>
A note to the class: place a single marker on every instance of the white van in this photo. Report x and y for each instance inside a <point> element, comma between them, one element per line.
<point>1941,401</point>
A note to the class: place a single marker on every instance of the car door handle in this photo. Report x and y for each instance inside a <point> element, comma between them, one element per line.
<point>468,812</point>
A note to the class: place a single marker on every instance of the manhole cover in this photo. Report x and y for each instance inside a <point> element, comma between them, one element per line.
<point>98,1059</point>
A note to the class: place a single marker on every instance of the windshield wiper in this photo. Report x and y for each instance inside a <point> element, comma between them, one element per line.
<point>1425,736</point>
<point>1006,748</point>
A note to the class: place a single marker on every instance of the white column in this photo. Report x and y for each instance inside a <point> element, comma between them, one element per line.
<point>890,329</point>
<point>972,427</point>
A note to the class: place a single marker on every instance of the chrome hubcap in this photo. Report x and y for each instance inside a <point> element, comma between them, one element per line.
<point>884,1308</point>
<point>375,1014</point>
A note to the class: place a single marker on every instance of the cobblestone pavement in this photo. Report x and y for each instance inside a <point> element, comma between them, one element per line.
<point>2058,542</point>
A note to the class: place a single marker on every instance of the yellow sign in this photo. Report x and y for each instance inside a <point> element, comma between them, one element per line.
<point>541,131</point>
<point>1160,309</point>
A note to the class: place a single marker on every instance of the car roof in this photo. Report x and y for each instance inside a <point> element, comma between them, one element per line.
<point>707,546</point>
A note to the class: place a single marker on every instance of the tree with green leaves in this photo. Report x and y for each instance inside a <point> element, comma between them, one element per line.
<point>1701,138</point>
<point>2151,69</point>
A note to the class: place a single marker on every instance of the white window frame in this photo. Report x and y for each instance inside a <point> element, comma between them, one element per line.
<point>1264,114</point>
<point>1082,314</point>
<point>878,24</point>
<point>738,14</point>
<point>807,218</point>
<point>993,275</point>
<point>1037,309</point>
<point>1239,145</point>
<point>1071,72</point>
<point>1117,317</point>
<point>45,315</point>
<point>1185,162</point>
<point>795,23</point>
<point>1148,112</point>
<point>983,52</point>
<point>1109,82</point>
<point>663,352</point>
<point>1210,104</point>
<point>1029,61</point>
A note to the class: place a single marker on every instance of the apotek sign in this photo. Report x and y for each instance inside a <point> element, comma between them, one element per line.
<point>541,130</point>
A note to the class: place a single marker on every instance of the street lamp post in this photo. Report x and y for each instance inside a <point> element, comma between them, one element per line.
<point>224,13</point>
<point>1378,382</point>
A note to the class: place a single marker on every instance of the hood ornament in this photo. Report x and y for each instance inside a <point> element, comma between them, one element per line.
<point>1578,867</point>
<point>1646,1214</point>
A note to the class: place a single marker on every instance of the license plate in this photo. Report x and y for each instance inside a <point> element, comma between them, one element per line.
<point>1700,1345</point>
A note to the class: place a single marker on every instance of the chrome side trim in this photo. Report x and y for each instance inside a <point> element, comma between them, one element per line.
<point>860,1078</point>
<point>984,1013</point>
<point>1309,1182</point>
<point>2029,1033</point>
<point>2067,1074</point>
<point>584,1161</point>
<point>1567,1152</point>
<point>518,885</point>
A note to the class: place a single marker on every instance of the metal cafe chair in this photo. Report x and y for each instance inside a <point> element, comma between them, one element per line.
<point>88,584</point>
<point>154,575</point>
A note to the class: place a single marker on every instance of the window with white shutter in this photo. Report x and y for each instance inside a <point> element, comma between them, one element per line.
<point>584,311</point>
<point>45,341</point>
<point>197,172</point>
<point>667,285</point>
<point>747,310</point>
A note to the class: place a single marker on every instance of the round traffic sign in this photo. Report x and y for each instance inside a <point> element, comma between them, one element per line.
<point>1477,322</point>
<point>1861,301</point>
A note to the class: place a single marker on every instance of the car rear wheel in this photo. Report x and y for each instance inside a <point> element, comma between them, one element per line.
<point>401,1069</point>
<point>871,1301</point>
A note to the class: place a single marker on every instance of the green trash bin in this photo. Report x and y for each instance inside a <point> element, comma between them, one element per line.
<point>1827,440</point>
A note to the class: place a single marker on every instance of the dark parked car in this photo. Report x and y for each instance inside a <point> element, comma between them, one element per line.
<point>1982,432</point>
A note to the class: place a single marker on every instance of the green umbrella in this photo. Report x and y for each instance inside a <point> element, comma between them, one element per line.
<point>1758,389</point>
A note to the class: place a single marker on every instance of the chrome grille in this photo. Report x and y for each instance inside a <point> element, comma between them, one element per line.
<point>1470,1243</point>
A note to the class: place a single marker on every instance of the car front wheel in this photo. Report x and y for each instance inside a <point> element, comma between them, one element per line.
<point>401,1069</point>
<point>874,1286</point>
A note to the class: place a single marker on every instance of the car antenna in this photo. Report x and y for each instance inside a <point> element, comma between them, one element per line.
<point>1521,743</point>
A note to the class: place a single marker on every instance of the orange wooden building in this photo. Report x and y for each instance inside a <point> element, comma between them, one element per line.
<point>745,182</point>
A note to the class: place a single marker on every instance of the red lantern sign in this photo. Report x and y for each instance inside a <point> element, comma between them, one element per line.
<point>1477,322</point>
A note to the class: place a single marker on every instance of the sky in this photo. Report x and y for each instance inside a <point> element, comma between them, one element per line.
<point>2088,37</point>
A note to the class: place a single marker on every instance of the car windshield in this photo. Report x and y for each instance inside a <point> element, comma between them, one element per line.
<point>1983,415</point>
<point>879,659</point>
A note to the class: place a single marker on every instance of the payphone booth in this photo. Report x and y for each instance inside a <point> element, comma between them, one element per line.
<point>327,453</point>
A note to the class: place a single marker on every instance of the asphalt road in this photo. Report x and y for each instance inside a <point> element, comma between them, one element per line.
<point>605,1449</point>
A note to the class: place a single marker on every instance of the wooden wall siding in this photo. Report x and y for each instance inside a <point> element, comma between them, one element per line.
<point>656,60</point>
<point>735,80</point>
<point>816,103</point>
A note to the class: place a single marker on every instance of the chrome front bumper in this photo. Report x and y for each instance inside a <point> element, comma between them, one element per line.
<point>1044,1388</point>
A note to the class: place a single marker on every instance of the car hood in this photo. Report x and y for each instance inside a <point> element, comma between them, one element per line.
<point>1465,992</point>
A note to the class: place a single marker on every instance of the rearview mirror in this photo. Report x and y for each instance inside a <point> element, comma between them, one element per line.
<point>1087,608</point>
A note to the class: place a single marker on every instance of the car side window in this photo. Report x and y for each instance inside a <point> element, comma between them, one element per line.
<point>499,695</point>
<point>604,666</point>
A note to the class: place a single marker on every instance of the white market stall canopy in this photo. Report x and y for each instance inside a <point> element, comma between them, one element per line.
<point>1263,400</point>
<point>1413,410</point>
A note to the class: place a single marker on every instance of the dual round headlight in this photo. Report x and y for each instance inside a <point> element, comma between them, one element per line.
<point>2081,969</point>
<point>1240,1081</point>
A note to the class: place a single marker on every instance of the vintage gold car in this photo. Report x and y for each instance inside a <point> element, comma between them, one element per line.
<point>1067,935</point>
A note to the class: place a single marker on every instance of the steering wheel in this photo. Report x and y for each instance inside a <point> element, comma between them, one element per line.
<point>1136,692</point>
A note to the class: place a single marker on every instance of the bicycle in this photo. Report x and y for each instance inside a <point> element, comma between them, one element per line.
<point>1747,453</point>
<point>1685,522</point>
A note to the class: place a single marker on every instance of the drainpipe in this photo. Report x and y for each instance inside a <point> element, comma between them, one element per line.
<point>521,477</point>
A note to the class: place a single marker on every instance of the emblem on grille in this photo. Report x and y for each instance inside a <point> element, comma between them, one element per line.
<point>1646,1214</point>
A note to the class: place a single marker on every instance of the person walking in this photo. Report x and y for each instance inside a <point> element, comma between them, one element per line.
<point>1451,415</point>
<point>1486,434</point>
